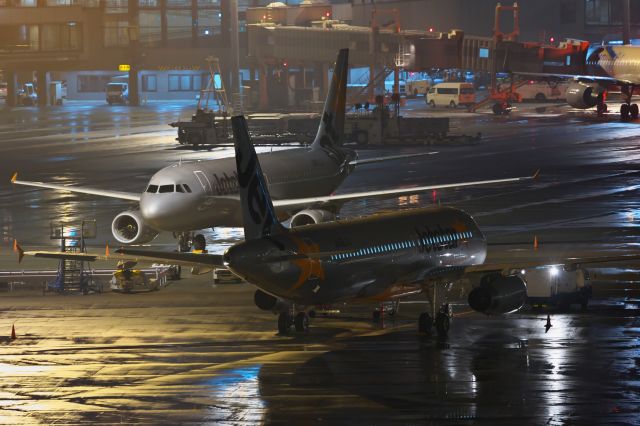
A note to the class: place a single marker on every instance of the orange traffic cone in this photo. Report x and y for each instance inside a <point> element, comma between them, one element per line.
<point>13,332</point>
<point>535,242</point>
<point>106,251</point>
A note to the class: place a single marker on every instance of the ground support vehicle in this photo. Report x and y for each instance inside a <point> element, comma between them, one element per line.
<point>27,95</point>
<point>202,129</point>
<point>451,95</point>
<point>127,278</point>
<point>557,287</point>
<point>117,93</point>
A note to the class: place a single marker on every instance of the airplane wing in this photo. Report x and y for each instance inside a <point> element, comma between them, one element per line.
<point>305,202</point>
<point>507,268</point>
<point>78,189</point>
<point>598,78</point>
<point>127,254</point>
<point>191,259</point>
<point>569,262</point>
<point>374,160</point>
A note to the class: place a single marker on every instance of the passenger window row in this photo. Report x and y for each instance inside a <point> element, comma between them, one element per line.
<point>163,189</point>
<point>384,248</point>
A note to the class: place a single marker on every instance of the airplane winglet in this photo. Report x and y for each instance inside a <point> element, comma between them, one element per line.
<point>535,175</point>
<point>14,178</point>
<point>18,249</point>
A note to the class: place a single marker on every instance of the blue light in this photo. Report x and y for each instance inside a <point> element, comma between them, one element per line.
<point>236,376</point>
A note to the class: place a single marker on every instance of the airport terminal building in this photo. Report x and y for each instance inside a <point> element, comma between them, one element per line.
<point>285,50</point>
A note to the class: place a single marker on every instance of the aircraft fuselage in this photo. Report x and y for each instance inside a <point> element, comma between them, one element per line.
<point>618,62</point>
<point>376,257</point>
<point>168,205</point>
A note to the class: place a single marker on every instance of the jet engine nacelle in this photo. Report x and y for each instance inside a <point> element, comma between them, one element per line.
<point>498,295</point>
<point>311,217</point>
<point>129,228</point>
<point>267,302</point>
<point>582,95</point>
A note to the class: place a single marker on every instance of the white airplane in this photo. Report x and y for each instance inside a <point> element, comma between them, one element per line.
<point>190,196</point>
<point>606,67</point>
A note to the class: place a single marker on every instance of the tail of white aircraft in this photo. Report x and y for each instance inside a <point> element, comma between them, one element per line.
<point>258,215</point>
<point>331,130</point>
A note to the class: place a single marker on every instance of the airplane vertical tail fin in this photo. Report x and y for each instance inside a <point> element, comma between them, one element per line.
<point>258,215</point>
<point>331,128</point>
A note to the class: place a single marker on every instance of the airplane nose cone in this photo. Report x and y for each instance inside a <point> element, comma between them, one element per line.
<point>160,212</point>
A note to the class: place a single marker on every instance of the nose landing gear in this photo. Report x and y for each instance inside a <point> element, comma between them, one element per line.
<point>441,318</point>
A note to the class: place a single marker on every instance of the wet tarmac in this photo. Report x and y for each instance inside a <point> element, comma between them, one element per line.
<point>193,353</point>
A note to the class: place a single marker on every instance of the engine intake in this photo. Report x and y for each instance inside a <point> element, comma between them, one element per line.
<point>129,228</point>
<point>583,96</point>
<point>498,295</point>
<point>267,302</point>
<point>311,217</point>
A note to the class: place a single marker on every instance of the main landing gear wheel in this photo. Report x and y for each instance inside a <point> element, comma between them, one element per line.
<point>442,325</point>
<point>501,108</point>
<point>633,111</point>
<point>424,323</point>
<point>284,323</point>
<point>185,241</point>
<point>624,112</point>
<point>301,322</point>
<point>199,242</point>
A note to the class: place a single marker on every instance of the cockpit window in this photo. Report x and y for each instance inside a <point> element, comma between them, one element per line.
<point>179,188</point>
<point>152,189</point>
<point>166,188</point>
<point>187,188</point>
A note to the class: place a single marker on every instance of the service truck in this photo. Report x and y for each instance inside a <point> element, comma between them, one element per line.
<point>558,287</point>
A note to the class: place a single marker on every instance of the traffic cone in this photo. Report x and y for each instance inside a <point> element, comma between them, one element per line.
<point>106,251</point>
<point>535,242</point>
<point>13,332</point>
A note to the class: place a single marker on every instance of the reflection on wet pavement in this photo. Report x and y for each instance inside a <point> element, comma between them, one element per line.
<point>189,354</point>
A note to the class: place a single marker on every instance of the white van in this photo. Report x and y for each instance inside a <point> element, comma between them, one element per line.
<point>451,95</point>
<point>117,93</point>
<point>541,91</point>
